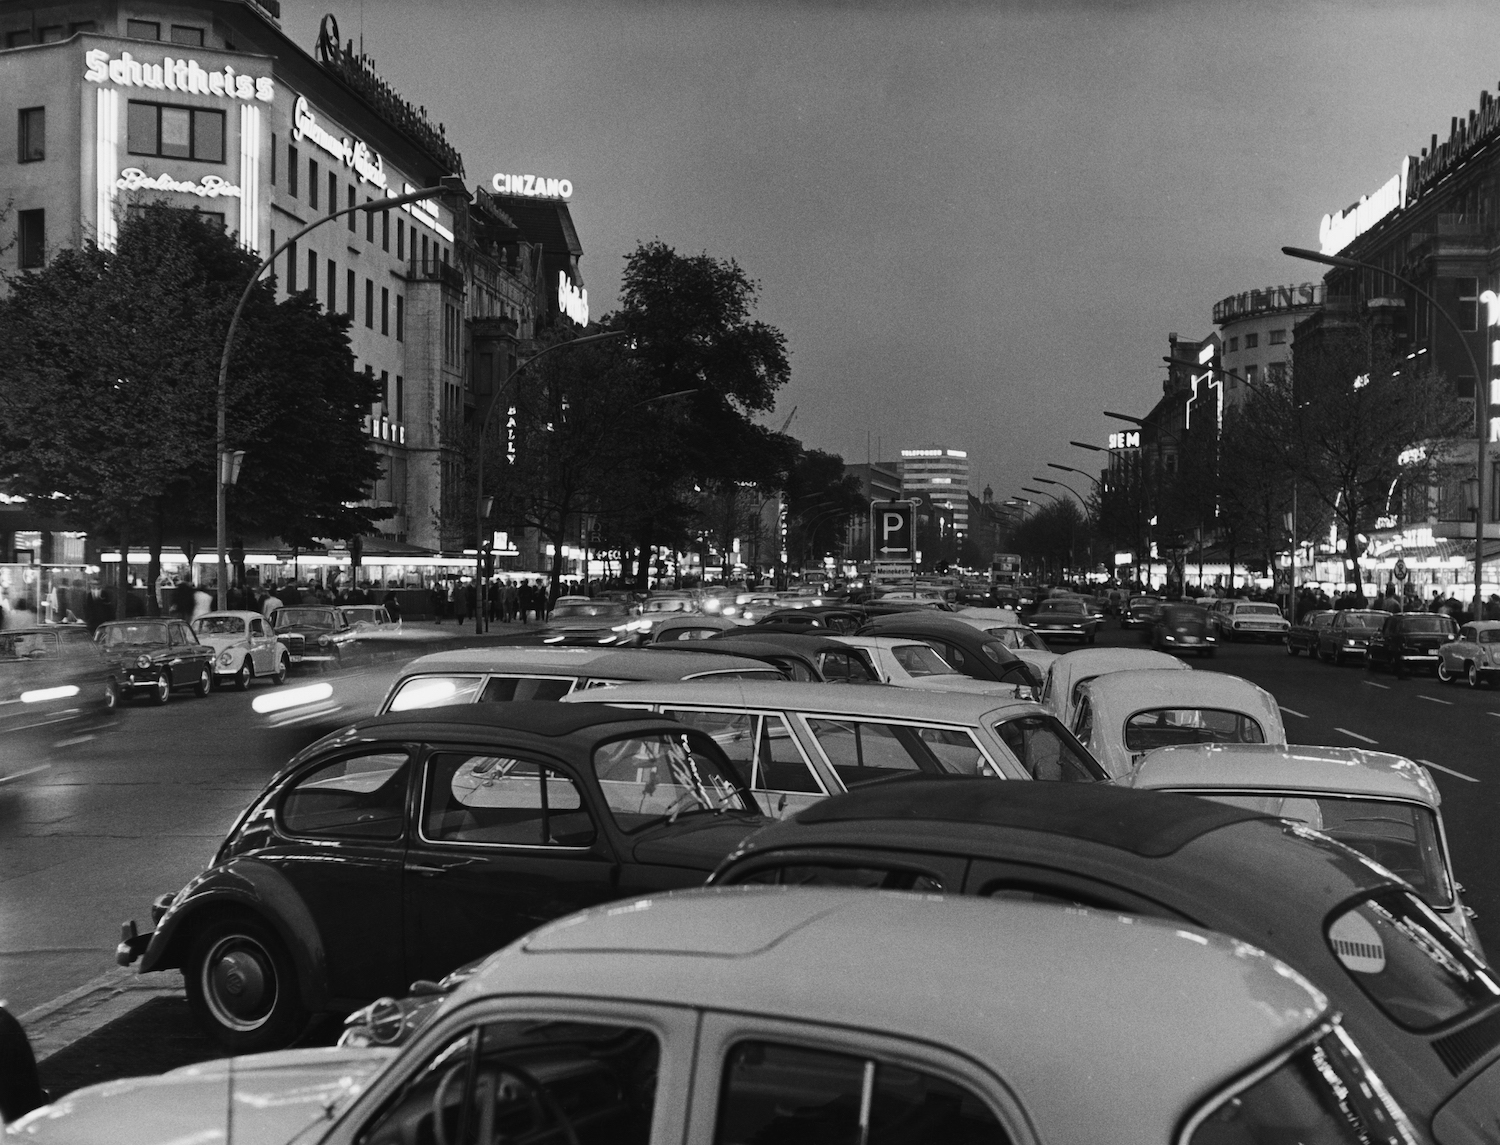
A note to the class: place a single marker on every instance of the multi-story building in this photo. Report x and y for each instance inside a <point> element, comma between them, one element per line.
<point>1255,335</point>
<point>940,477</point>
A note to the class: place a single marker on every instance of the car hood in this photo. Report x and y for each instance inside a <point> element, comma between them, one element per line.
<point>135,649</point>
<point>697,842</point>
<point>305,629</point>
<point>222,641</point>
<point>273,1098</point>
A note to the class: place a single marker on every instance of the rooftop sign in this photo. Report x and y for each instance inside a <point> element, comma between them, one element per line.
<point>355,154</point>
<point>1338,231</point>
<point>175,75</point>
<point>532,187</point>
<point>1268,301</point>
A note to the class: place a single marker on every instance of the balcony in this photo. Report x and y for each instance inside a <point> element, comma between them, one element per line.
<point>433,269</point>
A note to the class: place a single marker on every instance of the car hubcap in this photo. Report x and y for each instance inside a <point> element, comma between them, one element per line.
<point>1443,673</point>
<point>163,687</point>
<point>1473,676</point>
<point>239,983</point>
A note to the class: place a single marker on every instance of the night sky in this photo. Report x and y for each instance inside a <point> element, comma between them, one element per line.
<point>975,223</point>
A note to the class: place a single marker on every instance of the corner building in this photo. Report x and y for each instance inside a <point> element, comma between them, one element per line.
<point>208,106</point>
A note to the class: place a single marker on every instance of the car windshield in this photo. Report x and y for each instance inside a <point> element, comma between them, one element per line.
<point>1324,1094</point>
<point>1402,837</point>
<point>362,614</point>
<point>219,626</point>
<point>605,608</point>
<point>1166,727</point>
<point>1073,606</point>
<point>670,605</point>
<point>1441,625</point>
<point>144,632</point>
<point>1364,619</point>
<point>1183,614</point>
<point>1257,610</point>
<point>1411,965</point>
<point>317,617</point>
<point>920,660</point>
<point>646,779</point>
<point>434,692</point>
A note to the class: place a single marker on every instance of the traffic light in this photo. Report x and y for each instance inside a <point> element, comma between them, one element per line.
<point>487,561</point>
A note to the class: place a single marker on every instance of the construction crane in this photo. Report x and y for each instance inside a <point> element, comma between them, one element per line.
<point>788,420</point>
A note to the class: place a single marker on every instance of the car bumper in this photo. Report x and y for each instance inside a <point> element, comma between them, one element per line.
<point>133,941</point>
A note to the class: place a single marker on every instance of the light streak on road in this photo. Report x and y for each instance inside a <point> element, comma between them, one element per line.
<point>1290,712</point>
<point>292,698</point>
<point>1434,700</point>
<point>1449,770</point>
<point>1373,684</point>
<point>1355,735</point>
<point>40,695</point>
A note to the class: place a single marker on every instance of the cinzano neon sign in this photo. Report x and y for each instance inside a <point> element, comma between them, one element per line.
<point>532,187</point>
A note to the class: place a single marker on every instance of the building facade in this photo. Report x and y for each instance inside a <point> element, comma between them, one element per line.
<point>940,477</point>
<point>1255,335</point>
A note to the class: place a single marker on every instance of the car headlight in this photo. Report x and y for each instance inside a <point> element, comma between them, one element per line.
<point>143,661</point>
<point>730,610</point>
<point>1350,640</point>
<point>324,641</point>
<point>226,658</point>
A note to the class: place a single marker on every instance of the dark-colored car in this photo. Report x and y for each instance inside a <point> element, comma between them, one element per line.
<point>1140,612</point>
<point>841,618</point>
<point>1348,635</point>
<point>1410,640</point>
<point>53,683</point>
<point>1066,618</point>
<point>313,634</point>
<point>792,662</point>
<point>972,651</point>
<point>1180,627</point>
<point>1303,635</point>
<point>404,846</point>
<point>1422,1004</point>
<point>836,662</point>
<point>592,622</point>
<point>153,656</point>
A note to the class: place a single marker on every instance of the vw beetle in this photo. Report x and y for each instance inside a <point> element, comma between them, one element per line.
<point>244,645</point>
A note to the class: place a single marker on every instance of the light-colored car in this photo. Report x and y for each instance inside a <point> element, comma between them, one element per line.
<point>371,620</point>
<point>908,663</point>
<point>1382,805</point>
<point>1474,656</point>
<point>1067,673</point>
<point>496,675</point>
<point>796,743</point>
<point>1005,616</point>
<point>1250,620</point>
<point>1025,643</point>
<point>1121,716</point>
<point>731,1015</point>
<point>245,646</point>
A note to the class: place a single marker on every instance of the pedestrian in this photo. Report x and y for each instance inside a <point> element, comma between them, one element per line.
<point>438,600</point>
<point>509,602</point>
<point>1492,607</point>
<point>270,604</point>
<point>202,602</point>
<point>472,602</point>
<point>457,599</point>
<point>182,600</point>
<point>392,604</point>
<point>493,610</point>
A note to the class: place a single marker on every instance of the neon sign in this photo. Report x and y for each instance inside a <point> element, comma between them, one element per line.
<point>211,187</point>
<point>1128,439</point>
<point>176,75</point>
<point>423,211</point>
<point>1338,231</point>
<point>354,154</point>
<point>532,186</point>
<point>572,300</point>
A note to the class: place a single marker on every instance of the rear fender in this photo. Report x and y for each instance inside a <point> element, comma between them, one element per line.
<point>241,887</point>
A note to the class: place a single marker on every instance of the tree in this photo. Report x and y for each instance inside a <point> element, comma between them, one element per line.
<point>1053,535</point>
<point>820,499</point>
<point>108,375</point>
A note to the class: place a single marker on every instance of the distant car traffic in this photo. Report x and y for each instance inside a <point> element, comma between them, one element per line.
<point>406,845</point>
<point>1066,618</point>
<point>1303,636</point>
<point>1473,655</point>
<point>244,645</point>
<point>591,622</point>
<point>1181,628</point>
<point>154,657</point>
<point>1408,640</point>
<point>54,682</point>
<point>1348,635</point>
<point>369,620</point>
<point>1140,612</point>
<point>1250,620</point>
<point>313,635</point>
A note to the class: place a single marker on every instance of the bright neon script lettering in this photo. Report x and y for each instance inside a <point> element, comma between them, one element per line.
<point>212,187</point>
<point>354,154</point>
<point>572,300</point>
<point>532,187</point>
<point>1338,231</point>
<point>175,75</point>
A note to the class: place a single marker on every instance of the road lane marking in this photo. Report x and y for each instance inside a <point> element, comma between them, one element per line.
<point>19,774</point>
<point>1356,735</point>
<point>1449,770</point>
<point>1434,700</point>
<point>1290,712</point>
<point>1373,684</point>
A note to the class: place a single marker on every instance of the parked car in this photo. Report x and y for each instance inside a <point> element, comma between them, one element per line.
<point>1069,673</point>
<point>1067,618</point>
<point>797,743</point>
<point>1121,716</point>
<point>313,635</point>
<point>1020,639</point>
<point>155,656</point>
<point>1182,628</point>
<point>689,626</point>
<point>54,684</point>
<point>1348,635</point>
<point>504,674</point>
<point>1407,640</point>
<point>1474,654</point>
<point>369,620</point>
<point>971,651</point>
<point>812,654</point>
<point>997,614</point>
<point>1250,620</point>
<point>406,845</point>
<point>1421,1003</point>
<point>1303,635</point>
<point>733,1016</point>
<point>905,662</point>
<point>244,645</point>
<point>1382,805</point>
<point>841,618</point>
<point>1140,612</point>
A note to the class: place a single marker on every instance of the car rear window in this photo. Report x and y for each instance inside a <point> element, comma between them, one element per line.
<point>434,692</point>
<point>1257,610</point>
<point>920,660</point>
<point>1169,727</point>
<point>1438,624</point>
<point>882,878</point>
<point>1411,965</point>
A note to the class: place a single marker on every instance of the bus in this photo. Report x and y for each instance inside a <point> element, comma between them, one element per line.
<point>1005,569</point>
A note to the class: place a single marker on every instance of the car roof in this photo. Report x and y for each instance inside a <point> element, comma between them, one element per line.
<point>1481,625</point>
<point>1335,770</point>
<point>878,641</point>
<point>1043,1008</point>
<point>812,643</point>
<point>927,624</point>
<point>832,699</point>
<point>244,613</point>
<point>648,663</point>
<point>1172,688</point>
<point>1096,662</point>
<point>537,717</point>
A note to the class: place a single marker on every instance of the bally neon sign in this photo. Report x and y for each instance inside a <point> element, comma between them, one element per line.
<point>176,75</point>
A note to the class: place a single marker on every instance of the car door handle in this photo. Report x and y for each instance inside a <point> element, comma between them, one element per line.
<point>426,871</point>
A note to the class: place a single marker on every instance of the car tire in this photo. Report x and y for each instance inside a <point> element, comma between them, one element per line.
<point>242,987</point>
<point>1472,674</point>
<point>282,667</point>
<point>161,691</point>
<point>1291,649</point>
<point>205,683</point>
<point>243,677</point>
<point>1443,674</point>
<point>112,696</point>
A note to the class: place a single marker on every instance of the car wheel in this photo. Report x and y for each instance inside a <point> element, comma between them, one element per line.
<point>1291,649</point>
<point>1443,672</point>
<point>242,987</point>
<point>243,677</point>
<point>205,683</point>
<point>282,666</point>
<point>161,691</point>
<point>112,696</point>
<point>1471,672</point>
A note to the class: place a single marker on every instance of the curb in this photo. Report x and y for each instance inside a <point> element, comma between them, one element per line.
<point>57,1024</point>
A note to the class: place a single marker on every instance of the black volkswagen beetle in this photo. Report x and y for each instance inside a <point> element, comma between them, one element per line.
<point>972,651</point>
<point>404,846</point>
<point>153,656</point>
<point>1422,1004</point>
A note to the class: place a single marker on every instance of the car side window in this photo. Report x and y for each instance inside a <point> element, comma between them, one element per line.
<point>476,798</point>
<point>862,750</point>
<point>1468,633</point>
<point>779,762</point>
<point>845,668</point>
<point>864,875</point>
<point>503,689</point>
<point>954,655</point>
<point>360,796</point>
<point>771,1091</point>
<point>434,692</point>
<point>1046,751</point>
<point>257,628</point>
<point>1083,721</point>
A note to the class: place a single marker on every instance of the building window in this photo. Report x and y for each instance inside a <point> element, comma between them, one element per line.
<point>31,134</point>
<point>1234,345</point>
<point>400,319</point>
<point>331,298</point>
<point>350,216</point>
<point>312,183</point>
<point>1276,373</point>
<point>333,192</point>
<point>186,34</point>
<point>401,239</point>
<point>369,223</point>
<point>369,304</point>
<point>1468,304</point>
<point>424,254</point>
<point>51,34</point>
<point>31,237</point>
<point>1278,337</point>
<point>385,310</point>
<point>81,26</point>
<point>1250,375</point>
<point>349,294</point>
<point>385,391</point>
<point>291,170</point>
<point>143,29</point>
<point>312,272</point>
<point>1252,341</point>
<point>169,132</point>
<point>18,39</point>
<point>291,267</point>
<point>385,230</point>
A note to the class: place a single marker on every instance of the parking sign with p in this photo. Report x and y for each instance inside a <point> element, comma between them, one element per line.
<point>891,532</point>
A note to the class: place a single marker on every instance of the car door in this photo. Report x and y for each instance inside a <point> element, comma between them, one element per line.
<point>262,648</point>
<point>1464,646</point>
<point>503,842</point>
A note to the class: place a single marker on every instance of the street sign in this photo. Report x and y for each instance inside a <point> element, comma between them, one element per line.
<point>1400,569</point>
<point>892,535</point>
<point>891,570</point>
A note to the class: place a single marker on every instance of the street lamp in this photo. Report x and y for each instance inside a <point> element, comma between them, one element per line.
<point>1080,472</point>
<point>448,184</point>
<point>1481,397</point>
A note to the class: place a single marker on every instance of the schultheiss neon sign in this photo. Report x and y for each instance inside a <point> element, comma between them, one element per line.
<point>176,75</point>
<point>354,154</point>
